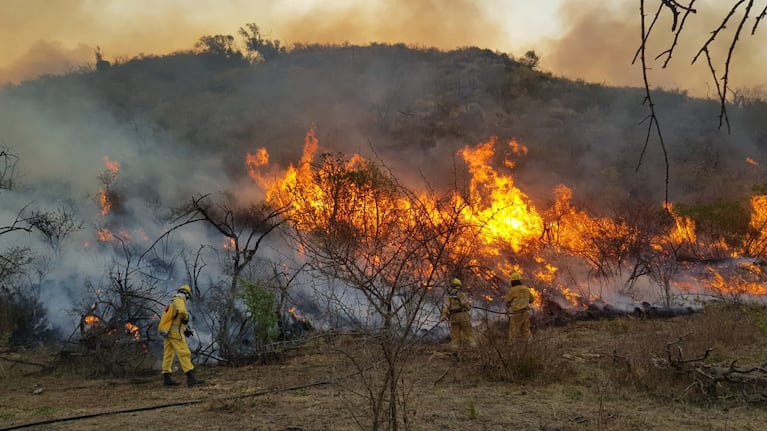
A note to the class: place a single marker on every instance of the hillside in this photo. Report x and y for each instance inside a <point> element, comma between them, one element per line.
<point>411,107</point>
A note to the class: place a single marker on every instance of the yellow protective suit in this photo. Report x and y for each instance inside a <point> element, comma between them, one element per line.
<point>174,343</point>
<point>518,300</point>
<point>457,309</point>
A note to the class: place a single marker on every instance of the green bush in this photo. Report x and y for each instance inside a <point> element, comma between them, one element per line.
<point>260,303</point>
<point>718,219</point>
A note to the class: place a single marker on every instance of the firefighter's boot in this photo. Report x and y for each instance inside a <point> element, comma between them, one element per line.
<point>168,380</point>
<point>191,380</point>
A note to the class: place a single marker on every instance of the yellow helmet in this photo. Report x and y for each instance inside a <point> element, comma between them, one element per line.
<point>185,289</point>
<point>456,282</point>
<point>516,276</point>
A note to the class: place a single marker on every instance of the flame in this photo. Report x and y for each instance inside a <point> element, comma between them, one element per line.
<point>133,330</point>
<point>751,161</point>
<point>756,243</point>
<point>293,312</point>
<point>91,320</point>
<point>502,224</point>
<point>228,243</point>
<point>112,166</point>
<point>746,279</point>
<point>104,203</point>
<point>105,235</point>
<point>503,211</point>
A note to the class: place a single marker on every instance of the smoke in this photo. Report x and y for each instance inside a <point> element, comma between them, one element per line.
<point>61,162</point>
<point>600,39</point>
<point>38,36</point>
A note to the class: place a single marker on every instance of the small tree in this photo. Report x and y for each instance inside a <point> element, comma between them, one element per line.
<point>530,59</point>
<point>55,226</point>
<point>8,161</point>
<point>260,303</point>
<point>358,227</point>
<point>244,228</point>
<point>220,46</point>
<point>265,49</point>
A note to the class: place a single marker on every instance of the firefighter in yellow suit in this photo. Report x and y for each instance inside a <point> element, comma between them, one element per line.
<point>518,300</point>
<point>457,308</point>
<point>174,341</point>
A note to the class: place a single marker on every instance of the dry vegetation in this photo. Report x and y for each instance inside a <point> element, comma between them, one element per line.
<point>589,375</point>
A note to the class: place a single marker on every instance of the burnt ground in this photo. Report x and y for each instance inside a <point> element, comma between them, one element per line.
<point>311,389</point>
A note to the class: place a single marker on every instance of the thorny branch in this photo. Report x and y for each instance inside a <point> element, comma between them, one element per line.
<point>652,117</point>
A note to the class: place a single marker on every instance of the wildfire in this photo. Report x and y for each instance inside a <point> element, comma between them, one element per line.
<point>500,222</point>
<point>293,312</point>
<point>111,165</point>
<point>745,279</point>
<point>113,168</point>
<point>495,203</point>
<point>91,320</point>
<point>133,330</point>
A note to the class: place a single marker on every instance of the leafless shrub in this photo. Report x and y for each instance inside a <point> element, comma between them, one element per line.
<point>537,359</point>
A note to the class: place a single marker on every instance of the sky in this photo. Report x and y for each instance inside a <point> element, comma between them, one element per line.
<point>591,40</point>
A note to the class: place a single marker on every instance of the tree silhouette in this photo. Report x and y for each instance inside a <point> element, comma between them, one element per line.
<point>267,49</point>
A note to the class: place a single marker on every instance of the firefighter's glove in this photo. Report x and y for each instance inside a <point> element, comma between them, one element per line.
<point>188,332</point>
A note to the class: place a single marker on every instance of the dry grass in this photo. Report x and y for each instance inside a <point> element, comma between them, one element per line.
<point>597,375</point>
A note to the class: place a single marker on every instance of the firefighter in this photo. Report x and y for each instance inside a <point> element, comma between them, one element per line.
<point>457,310</point>
<point>173,328</point>
<point>518,300</point>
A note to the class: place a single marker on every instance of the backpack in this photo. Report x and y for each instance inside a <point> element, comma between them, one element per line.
<point>166,320</point>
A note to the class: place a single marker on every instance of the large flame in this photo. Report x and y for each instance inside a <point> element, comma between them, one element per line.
<point>503,231</point>
<point>495,204</point>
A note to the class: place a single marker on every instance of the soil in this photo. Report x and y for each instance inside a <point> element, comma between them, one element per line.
<point>316,388</point>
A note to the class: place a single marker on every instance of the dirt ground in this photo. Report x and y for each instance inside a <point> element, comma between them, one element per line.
<point>307,390</point>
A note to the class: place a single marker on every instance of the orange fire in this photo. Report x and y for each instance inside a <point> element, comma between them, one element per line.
<point>502,210</point>
<point>751,161</point>
<point>756,243</point>
<point>111,165</point>
<point>500,223</point>
<point>113,168</point>
<point>133,330</point>
<point>293,312</point>
<point>104,203</point>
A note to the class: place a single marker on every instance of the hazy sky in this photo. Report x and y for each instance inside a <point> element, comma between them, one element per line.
<point>592,40</point>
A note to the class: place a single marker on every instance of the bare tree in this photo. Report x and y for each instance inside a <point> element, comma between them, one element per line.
<point>359,228</point>
<point>117,318</point>
<point>55,226</point>
<point>8,162</point>
<point>244,229</point>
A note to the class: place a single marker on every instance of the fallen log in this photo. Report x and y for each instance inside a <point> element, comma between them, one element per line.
<point>552,313</point>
